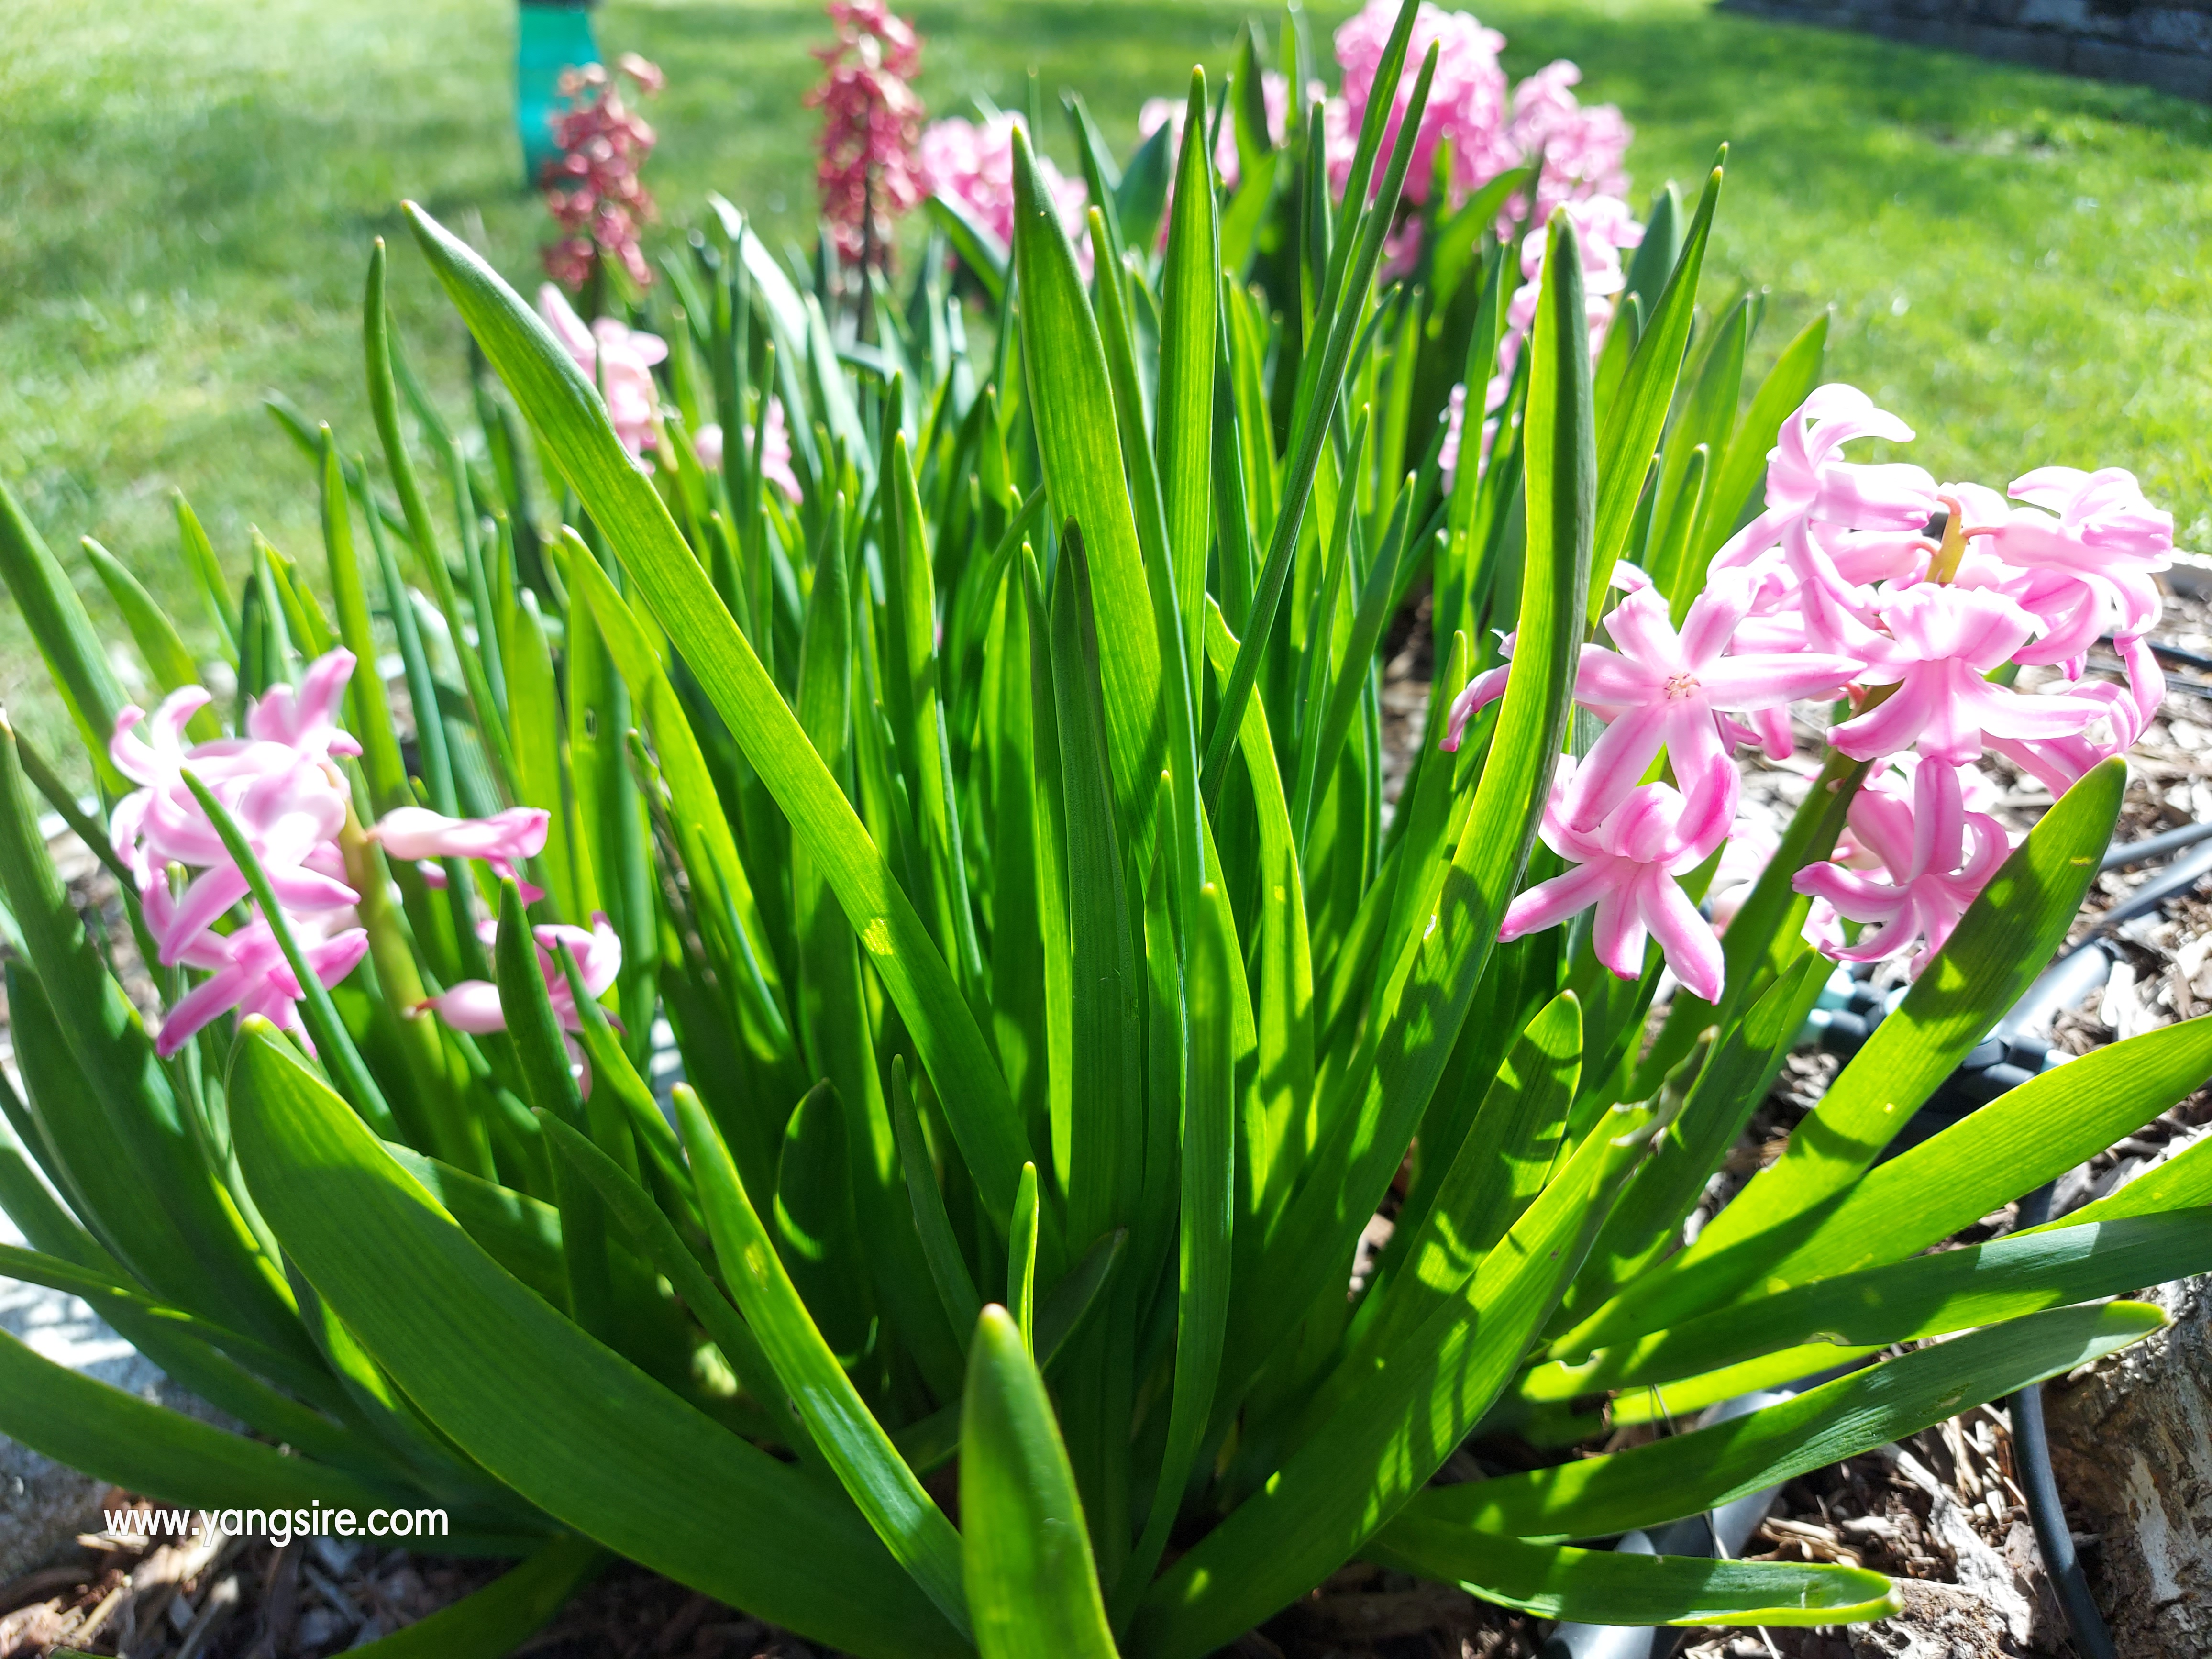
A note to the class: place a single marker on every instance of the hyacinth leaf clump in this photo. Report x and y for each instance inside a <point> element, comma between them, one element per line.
<point>856,978</point>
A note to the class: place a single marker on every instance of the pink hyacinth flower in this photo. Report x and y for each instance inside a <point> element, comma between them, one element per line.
<point>1807,481</point>
<point>1945,640</point>
<point>1937,857</point>
<point>1628,867</point>
<point>418,834</point>
<point>1662,689</point>
<point>251,975</point>
<point>618,359</point>
<point>775,450</point>
<point>473,1005</point>
<point>2090,557</point>
<point>2059,763</point>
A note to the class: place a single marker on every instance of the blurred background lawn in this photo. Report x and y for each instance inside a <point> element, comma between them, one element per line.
<point>2020,263</point>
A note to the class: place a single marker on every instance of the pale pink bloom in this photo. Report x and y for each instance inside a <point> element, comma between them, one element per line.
<point>2123,711</point>
<point>619,361</point>
<point>1808,483</point>
<point>248,973</point>
<point>473,1004</point>
<point>502,841</point>
<point>306,721</point>
<point>973,165</point>
<point>1629,866</point>
<point>1662,689</point>
<point>1467,97</point>
<point>2087,563</point>
<point>1581,148</point>
<point>1937,857</point>
<point>1942,642</point>
<point>775,450</point>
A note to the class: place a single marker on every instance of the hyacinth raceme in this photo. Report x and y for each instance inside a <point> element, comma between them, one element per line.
<point>867,170</point>
<point>1834,589</point>
<point>972,163</point>
<point>281,785</point>
<point>775,450</point>
<point>620,362</point>
<point>593,188</point>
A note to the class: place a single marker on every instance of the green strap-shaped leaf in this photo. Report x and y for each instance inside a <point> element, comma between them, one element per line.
<point>117,1437</point>
<point>1617,1587</point>
<point>1690,1473</point>
<point>1284,1082</point>
<point>569,1425</point>
<point>632,1208</point>
<point>2024,1137</point>
<point>55,617</point>
<point>1208,1210</point>
<point>1923,1297</point>
<point>1742,464</point>
<point>369,710</point>
<point>1072,403</point>
<point>1500,1168</point>
<point>1026,1551</point>
<point>199,555</point>
<point>979,248</point>
<point>566,410</point>
<point>1638,413</point>
<point>948,1269</point>
<point>1397,1423</point>
<point>1190,294</point>
<point>1021,1261</point>
<point>2003,942</point>
<point>1394,1071</point>
<point>159,645</point>
<point>854,1444</point>
<point>497,1618</point>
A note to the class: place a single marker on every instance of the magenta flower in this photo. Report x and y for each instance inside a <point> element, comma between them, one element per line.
<point>1628,868</point>
<point>502,841</point>
<point>775,450</point>
<point>1467,98</point>
<point>871,121</point>
<point>1807,483</point>
<point>1937,857</point>
<point>618,359</point>
<point>1942,642</point>
<point>2085,566</point>
<point>973,164</point>
<point>248,973</point>
<point>2123,711</point>
<point>593,188</point>
<point>1662,689</point>
<point>473,1004</point>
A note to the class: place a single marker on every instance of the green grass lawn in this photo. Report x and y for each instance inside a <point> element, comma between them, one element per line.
<point>2018,262</point>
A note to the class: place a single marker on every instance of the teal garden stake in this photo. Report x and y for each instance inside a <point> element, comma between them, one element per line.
<point>550,36</point>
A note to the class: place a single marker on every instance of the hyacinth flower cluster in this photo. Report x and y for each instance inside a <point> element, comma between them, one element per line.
<point>620,360</point>
<point>867,170</point>
<point>593,188</point>
<point>280,784</point>
<point>1836,590</point>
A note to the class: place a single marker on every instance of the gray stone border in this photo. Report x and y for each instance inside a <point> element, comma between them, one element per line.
<point>2166,47</point>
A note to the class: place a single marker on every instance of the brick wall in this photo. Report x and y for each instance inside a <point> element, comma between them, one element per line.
<point>2166,44</point>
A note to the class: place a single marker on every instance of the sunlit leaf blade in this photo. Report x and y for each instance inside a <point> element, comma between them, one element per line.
<point>1031,1587</point>
<point>852,1441</point>
<point>1638,414</point>
<point>1190,295</point>
<point>1619,1587</point>
<point>55,617</point>
<point>1398,1422</point>
<point>1598,1497</point>
<point>569,1425</point>
<point>568,413</point>
<point>2003,942</point>
<point>1923,1296</point>
<point>1073,405</point>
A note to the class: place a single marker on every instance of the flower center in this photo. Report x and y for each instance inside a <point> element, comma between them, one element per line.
<point>1681,686</point>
